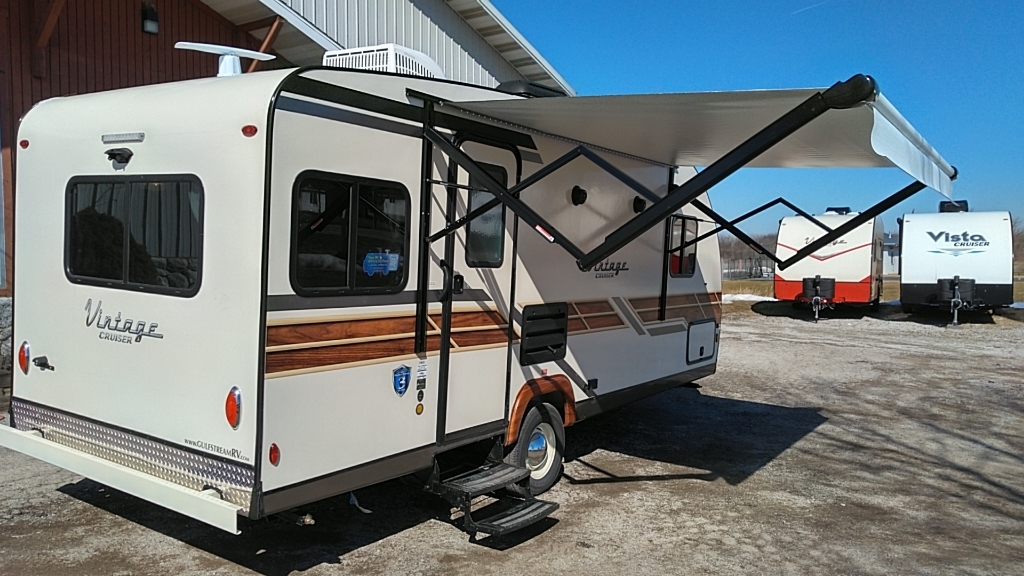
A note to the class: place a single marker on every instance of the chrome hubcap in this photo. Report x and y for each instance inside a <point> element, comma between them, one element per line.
<point>540,452</point>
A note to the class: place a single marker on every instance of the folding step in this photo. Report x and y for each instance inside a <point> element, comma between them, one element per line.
<point>463,488</point>
<point>516,517</point>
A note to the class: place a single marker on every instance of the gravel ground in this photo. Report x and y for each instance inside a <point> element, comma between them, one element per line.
<point>879,444</point>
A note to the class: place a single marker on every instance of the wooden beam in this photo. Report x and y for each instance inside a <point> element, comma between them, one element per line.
<point>46,21</point>
<point>268,41</point>
<point>258,24</point>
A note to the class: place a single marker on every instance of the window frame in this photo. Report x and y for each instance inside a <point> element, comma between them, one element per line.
<point>355,181</point>
<point>682,240</point>
<point>125,284</point>
<point>501,260</point>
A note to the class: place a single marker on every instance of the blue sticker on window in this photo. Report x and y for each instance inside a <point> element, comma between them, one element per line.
<point>380,263</point>
<point>400,376</point>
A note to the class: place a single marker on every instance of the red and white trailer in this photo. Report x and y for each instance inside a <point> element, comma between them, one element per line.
<point>846,271</point>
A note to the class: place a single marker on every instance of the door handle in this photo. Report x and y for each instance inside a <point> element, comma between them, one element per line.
<point>446,283</point>
<point>42,363</point>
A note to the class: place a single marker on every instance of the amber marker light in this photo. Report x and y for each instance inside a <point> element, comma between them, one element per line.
<point>233,407</point>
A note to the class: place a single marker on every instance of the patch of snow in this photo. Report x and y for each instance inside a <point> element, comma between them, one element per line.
<point>730,298</point>
<point>1017,305</point>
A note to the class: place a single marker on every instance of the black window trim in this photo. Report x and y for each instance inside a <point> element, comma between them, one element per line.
<point>125,284</point>
<point>501,260</point>
<point>682,240</point>
<point>292,245</point>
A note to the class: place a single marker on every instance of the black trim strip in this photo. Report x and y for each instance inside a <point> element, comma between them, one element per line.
<point>136,433</point>
<point>285,302</point>
<point>346,96</point>
<point>605,402</point>
<point>347,116</point>
<point>334,483</point>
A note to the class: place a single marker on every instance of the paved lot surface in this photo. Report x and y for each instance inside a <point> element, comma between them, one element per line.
<point>860,445</point>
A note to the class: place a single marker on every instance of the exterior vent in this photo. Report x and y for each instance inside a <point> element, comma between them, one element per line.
<point>953,206</point>
<point>385,58</point>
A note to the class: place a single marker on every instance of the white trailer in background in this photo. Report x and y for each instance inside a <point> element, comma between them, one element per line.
<point>846,271</point>
<point>956,259</point>
<point>240,295</point>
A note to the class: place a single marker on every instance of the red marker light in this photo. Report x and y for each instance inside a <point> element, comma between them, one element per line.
<point>275,454</point>
<point>249,130</point>
<point>233,407</point>
<point>23,354</point>
<point>23,144</point>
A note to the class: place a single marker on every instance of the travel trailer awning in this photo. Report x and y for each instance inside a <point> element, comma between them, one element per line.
<point>849,124</point>
<point>698,129</point>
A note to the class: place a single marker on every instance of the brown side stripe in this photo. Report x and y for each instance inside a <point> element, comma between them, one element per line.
<point>344,354</point>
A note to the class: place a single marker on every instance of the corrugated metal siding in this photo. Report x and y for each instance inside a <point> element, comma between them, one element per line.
<point>430,26</point>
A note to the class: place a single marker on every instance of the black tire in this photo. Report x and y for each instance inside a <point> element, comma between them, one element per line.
<point>875,304</point>
<point>908,309</point>
<point>536,416</point>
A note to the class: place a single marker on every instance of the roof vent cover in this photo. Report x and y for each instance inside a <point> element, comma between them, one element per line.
<point>390,58</point>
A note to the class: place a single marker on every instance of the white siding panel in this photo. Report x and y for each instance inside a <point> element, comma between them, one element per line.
<point>430,26</point>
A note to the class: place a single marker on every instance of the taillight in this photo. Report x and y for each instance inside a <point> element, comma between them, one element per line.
<point>23,357</point>
<point>233,407</point>
<point>249,130</point>
<point>275,454</point>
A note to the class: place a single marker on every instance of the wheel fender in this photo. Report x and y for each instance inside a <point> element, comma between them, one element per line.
<point>534,389</point>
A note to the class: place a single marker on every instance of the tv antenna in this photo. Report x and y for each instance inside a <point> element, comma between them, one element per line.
<point>230,63</point>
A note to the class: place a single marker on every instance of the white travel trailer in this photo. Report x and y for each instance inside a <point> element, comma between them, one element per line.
<point>239,295</point>
<point>846,271</point>
<point>956,258</point>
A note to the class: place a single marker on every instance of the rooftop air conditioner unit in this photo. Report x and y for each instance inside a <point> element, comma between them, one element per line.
<point>385,58</point>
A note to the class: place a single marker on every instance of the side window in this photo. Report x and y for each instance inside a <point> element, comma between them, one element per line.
<point>485,234</point>
<point>136,233</point>
<point>350,235</point>
<point>683,263</point>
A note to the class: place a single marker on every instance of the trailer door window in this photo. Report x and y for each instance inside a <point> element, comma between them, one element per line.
<point>350,235</point>
<point>683,263</point>
<point>137,233</point>
<point>485,234</point>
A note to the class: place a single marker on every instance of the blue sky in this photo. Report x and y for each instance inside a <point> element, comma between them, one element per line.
<point>954,69</point>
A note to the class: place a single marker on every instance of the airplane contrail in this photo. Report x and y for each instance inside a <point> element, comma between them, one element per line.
<point>809,7</point>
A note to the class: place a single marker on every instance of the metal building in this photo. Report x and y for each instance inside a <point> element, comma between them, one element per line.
<point>469,39</point>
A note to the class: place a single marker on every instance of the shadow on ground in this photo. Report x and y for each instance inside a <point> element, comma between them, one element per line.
<point>718,437</point>
<point>887,312</point>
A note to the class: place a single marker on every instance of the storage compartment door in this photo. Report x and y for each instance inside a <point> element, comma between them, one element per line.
<point>701,341</point>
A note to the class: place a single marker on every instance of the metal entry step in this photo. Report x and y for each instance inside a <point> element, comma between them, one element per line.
<point>482,481</point>
<point>516,517</point>
<point>490,479</point>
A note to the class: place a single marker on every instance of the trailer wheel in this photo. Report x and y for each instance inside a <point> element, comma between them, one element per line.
<point>908,309</point>
<point>539,448</point>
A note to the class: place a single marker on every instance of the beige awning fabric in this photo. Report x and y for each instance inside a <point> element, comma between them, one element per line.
<point>696,129</point>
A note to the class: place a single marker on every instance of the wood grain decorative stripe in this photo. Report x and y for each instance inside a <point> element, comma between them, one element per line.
<point>332,331</point>
<point>603,321</point>
<point>479,338</point>
<point>344,354</point>
<point>600,307</point>
<point>577,325</point>
<point>483,319</point>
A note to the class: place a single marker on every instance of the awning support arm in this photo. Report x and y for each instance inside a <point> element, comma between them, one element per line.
<point>856,90</point>
<point>907,191</point>
<point>754,212</point>
<point>725,224</point>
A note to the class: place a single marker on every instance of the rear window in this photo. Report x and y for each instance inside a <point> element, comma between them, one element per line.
<point>140,233</point>
<point>349,235</point>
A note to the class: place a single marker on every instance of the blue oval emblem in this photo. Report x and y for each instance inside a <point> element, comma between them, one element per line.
<point>400,376</point>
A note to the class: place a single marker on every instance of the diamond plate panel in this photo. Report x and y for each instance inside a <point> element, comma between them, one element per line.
<point>234,482</point>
